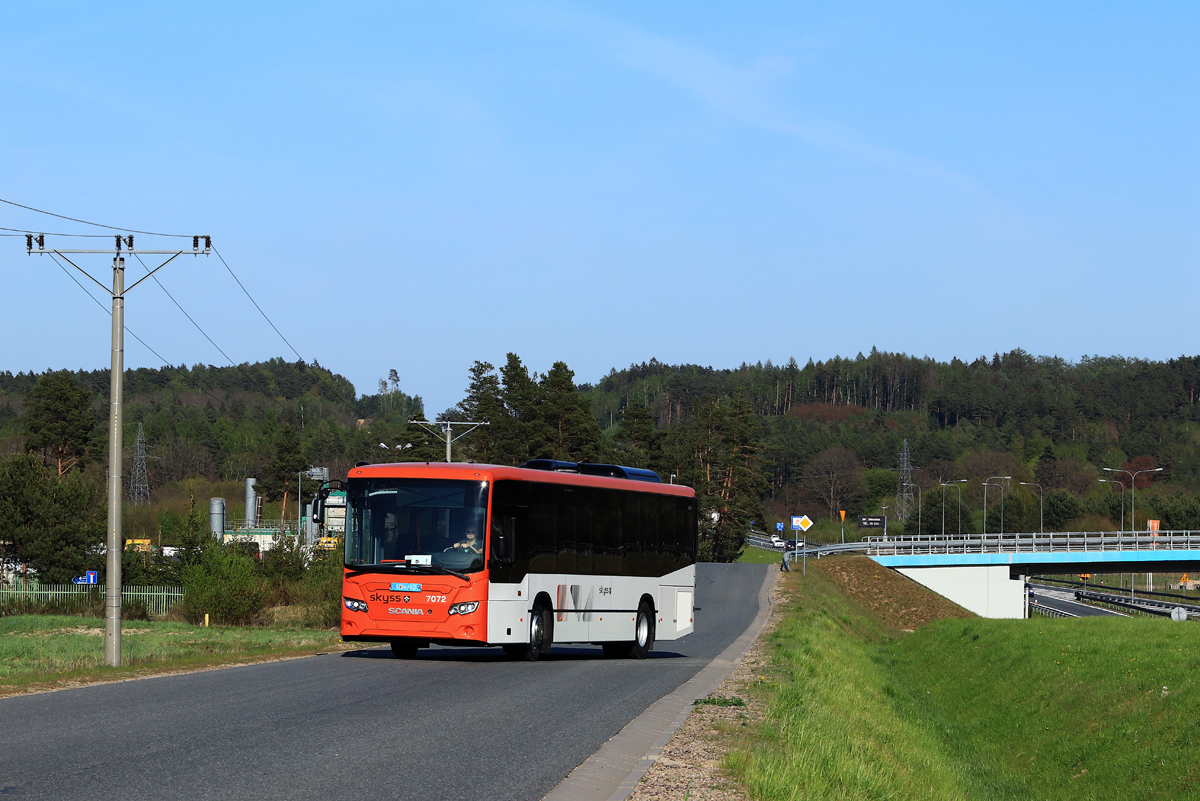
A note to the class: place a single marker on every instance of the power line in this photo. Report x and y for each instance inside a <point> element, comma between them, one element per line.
<point>47,233</point>
<point>85,222</point>
<point>188,377</point>
<point>337,391</point>
<point>234,364</point>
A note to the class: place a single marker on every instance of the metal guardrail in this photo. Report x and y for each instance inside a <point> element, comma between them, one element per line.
<point>1047,611</point>
<point>1058,542</point>
<point>158,600</point>
<point>1146,606</point>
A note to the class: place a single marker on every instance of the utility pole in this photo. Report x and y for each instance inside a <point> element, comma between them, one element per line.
<point>446,428</point>
<point>124,245</point>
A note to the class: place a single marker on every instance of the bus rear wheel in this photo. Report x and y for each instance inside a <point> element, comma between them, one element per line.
<point>540,635</point>
<point>404,649</point>
<point>643,633</point>
<point>643,637</point>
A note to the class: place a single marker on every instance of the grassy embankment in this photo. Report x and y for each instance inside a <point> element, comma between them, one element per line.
<point>1099,708</point>
<point>47,651</point>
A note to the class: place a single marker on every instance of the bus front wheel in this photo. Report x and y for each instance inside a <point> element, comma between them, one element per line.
<point>540,635</point>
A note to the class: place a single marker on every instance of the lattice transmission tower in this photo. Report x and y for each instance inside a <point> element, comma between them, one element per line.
<point>904,490</point>
<point>139,483</point>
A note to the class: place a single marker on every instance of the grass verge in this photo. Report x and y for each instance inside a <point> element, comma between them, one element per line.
<point>1093,708</point>
<point>50,651</point>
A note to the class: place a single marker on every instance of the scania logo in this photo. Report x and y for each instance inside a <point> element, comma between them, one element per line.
<point>405,599</point>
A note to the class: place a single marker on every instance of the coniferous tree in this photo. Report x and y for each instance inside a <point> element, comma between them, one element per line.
<point>58,415</point>
<point>482,404</point>
<point>571,432</point>
<point>51,523</point>
<point>521,433</point>
<point>639,440</point>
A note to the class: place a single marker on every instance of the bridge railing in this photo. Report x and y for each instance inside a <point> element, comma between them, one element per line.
<point>1062,541</point>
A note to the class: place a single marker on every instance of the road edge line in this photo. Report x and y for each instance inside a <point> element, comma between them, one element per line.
<point>613,772</point>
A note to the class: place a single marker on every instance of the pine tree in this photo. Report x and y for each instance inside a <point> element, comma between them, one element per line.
<point>571,432</point>
<point>59,417</point>
<point>50,523</point>
<point>482,404</point>
<point>520,432</point>
<point>639,440</point>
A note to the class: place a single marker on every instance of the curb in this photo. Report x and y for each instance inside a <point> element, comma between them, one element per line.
<point>613,772</point>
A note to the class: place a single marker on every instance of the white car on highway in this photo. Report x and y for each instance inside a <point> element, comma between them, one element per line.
<point>777,541</point>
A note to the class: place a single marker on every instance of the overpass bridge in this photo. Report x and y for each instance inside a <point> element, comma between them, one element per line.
<point>985,573</point>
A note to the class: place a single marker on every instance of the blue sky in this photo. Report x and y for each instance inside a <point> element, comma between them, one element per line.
<point>419,185</point>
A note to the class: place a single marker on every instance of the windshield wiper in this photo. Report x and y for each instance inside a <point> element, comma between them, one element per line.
<point>440,569</point>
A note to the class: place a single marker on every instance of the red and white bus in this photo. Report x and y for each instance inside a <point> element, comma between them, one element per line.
<point>561,553</point>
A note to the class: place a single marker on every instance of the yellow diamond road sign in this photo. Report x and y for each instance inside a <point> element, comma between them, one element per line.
<point>806,523</point>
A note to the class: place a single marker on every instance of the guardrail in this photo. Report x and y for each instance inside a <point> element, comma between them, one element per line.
<point>158,600</point>
<point>1145,606</point>
<point>1046,611</point>
<point>1066,541</point>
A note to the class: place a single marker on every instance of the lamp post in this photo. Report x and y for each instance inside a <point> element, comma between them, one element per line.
<point>1001,486</point>
<point>1041,506</point>
<point>1133,492</point>
<point>918,488</point>
<point>955,483</point>
<point>884,508</point>
<point>1122,486</point>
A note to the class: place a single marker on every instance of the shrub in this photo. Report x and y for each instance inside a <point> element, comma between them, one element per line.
<point>223,584</point>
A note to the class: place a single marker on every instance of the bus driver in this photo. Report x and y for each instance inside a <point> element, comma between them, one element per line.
<point>471,543</point>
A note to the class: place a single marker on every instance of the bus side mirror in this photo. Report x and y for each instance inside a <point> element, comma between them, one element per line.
<point>501,546</point>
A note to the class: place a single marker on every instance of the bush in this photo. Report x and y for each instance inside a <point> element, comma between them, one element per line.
<point>223,584</point>
<point>321,588</point>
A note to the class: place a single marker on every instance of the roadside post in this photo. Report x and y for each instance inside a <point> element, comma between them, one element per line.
<point>801,523</point>
<point>842,512</point>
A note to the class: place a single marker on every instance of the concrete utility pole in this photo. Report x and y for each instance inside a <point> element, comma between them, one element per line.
<point>124,244</point>
<point>446,427</point>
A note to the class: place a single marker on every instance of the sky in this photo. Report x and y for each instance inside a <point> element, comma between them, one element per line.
<point>417,186</point>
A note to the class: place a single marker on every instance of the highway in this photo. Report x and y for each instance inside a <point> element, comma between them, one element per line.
<point>455,723</point>
<point>1064,601</point>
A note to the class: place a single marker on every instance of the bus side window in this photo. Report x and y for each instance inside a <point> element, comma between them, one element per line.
<point>631,534</point>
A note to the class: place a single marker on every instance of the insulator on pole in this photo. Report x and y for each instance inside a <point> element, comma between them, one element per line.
<point>118,241</point>
<point>129,241</point>
<point>208,243</point>
<point>195,243</point>
<point>41,241</point>
<point>29,241</point>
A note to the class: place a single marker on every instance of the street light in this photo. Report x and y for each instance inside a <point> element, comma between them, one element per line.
<point>1042,506</point>
<point>1122,486</point>
<point>918,506</point>
<point>1133,492</point>
<point>884,508</point>
<point>955,483</point>
<point>1001,486</point>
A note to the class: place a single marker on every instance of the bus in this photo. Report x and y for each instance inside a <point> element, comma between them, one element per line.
<point>520,557</point>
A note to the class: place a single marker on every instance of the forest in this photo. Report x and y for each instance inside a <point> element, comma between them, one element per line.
<point>1056,441</point>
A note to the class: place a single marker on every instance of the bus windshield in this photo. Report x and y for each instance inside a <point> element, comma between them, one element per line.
<point>417,525</point>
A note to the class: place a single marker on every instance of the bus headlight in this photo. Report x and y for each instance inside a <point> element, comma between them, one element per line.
<point>464,608</point>
<point>355,605</point>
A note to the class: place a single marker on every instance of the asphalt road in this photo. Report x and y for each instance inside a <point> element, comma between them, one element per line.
<point>452,724</point>
<point>1057,598</point>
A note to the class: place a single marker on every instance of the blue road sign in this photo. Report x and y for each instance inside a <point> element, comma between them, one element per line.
<point>91,577</point>
<point>795,523</point>
<point>779,526</point>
